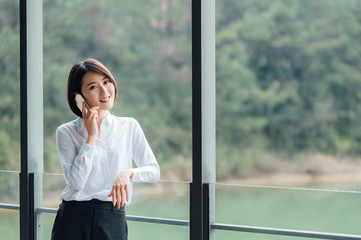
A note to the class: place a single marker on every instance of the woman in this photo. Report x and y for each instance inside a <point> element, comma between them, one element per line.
<point>96,152</point>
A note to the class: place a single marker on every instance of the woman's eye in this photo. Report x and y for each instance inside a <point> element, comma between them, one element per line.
<point>92,87</point>
<point>106,81</point>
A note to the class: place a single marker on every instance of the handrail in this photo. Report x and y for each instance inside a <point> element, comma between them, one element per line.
<point>290,188</point>
<point>9,206</point>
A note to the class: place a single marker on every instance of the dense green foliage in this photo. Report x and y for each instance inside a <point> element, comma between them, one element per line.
<point>289,79</point>
<point>288,76</point>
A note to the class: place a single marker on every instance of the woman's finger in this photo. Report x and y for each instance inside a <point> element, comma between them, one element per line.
<point>126,192</point>
<point>118,196</point>
<point>86,106</point>
<point>83,111</point>
<point>122,194</point>
<point>114,196</point>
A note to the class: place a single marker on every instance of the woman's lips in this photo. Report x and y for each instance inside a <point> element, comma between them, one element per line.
<point>105,100</point>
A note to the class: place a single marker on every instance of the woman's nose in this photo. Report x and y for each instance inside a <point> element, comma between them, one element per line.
<point>103,90</point>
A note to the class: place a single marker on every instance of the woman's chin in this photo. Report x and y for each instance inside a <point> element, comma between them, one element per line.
<point>106,107</point>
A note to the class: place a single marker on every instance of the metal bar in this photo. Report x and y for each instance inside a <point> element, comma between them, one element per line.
<point>196,189</point>
<point>9,206</point>
<point>31,207</point>
<point>46,210</point>
<point>290,188</point>
<point>7,171</point>
<point>24,174</point>
<point>208,111</point>
<point>158,220</point>
<point>31,125</point>
<point>285,232</point>
<point>206,223</point>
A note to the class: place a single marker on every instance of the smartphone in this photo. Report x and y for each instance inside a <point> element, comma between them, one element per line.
<point>79,99</point>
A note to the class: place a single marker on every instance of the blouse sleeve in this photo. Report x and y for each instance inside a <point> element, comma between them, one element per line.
<point>76,165</point>
<point>148,168</point>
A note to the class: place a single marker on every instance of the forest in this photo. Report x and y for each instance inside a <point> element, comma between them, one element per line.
<point>288,78</point>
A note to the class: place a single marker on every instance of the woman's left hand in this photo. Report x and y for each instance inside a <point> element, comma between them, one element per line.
<point>120,191</point>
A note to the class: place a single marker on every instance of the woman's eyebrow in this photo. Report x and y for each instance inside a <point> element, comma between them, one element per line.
<point>90,84</point>
<point>105,77</point>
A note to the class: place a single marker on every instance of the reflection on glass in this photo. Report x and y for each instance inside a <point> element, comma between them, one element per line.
<point>288,91</point>
<point>310,209</point>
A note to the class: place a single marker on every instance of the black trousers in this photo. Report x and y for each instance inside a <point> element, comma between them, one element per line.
<point>89,220</point>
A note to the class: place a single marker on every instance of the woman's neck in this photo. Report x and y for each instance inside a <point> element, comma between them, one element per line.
<point>101,116</point>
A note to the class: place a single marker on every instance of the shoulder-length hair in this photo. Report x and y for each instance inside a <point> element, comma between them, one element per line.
<point>75,80</point>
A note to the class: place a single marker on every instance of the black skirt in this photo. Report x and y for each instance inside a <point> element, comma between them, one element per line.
<point>89,220</point>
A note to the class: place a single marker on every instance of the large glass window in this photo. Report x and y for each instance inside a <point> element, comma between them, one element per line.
<point>10,86</point>
<point>288,97</point>
<point>147,47</point>
<point>9,118</point>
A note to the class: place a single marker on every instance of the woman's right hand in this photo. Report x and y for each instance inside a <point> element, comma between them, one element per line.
<point>90,120</point>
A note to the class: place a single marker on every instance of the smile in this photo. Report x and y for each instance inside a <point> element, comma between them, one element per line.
<point>105,100</point>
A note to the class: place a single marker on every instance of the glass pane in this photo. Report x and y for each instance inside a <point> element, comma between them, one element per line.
<point>48,221</point>
<point>147,47</point>
<point>9,187</point>
<point>10,86</point>
<point>163,199</point>
<point>9,224</point>
<point>53,186</point>
<point>137,230</point>
<point>293,208</point>
<point>288,92</point>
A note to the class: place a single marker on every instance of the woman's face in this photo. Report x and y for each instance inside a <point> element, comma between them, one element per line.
<point>98,90</point>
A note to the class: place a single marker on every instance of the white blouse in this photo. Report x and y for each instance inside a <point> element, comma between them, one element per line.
<point>90,170</point>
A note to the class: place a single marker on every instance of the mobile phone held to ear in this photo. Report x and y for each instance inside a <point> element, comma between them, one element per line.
<point>79,99</point>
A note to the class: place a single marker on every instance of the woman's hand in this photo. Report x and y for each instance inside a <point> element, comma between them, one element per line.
<point>90,120</point>
<point>120,191</point>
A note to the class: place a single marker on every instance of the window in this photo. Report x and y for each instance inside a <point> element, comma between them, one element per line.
<point>288,83</point>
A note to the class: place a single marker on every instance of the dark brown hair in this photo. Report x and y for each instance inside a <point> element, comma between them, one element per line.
<point>75,80</point>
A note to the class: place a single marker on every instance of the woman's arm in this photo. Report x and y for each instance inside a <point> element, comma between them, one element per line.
<point>148,167</point>
<point>76,166</point>
<point>147,171</point>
